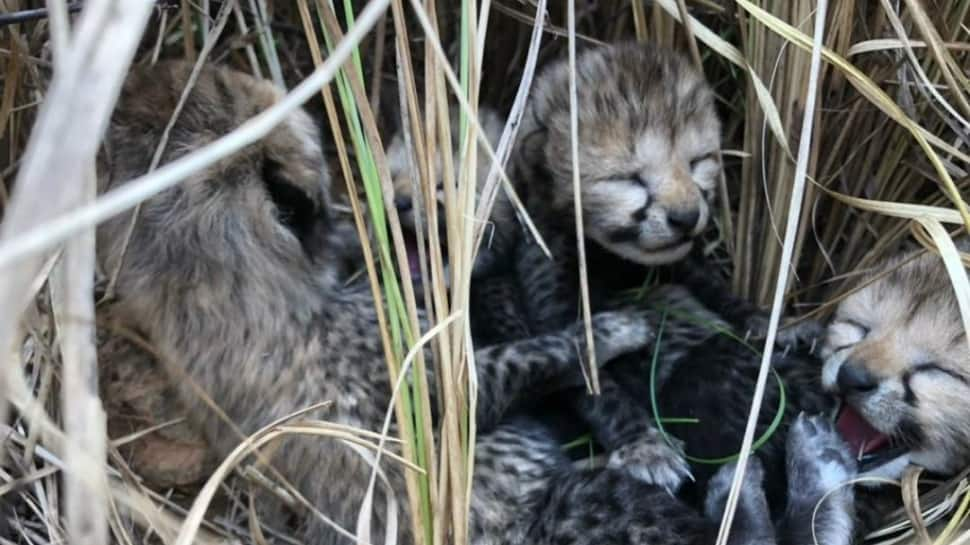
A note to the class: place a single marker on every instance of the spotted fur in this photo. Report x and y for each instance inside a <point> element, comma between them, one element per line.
<point>648,140</point>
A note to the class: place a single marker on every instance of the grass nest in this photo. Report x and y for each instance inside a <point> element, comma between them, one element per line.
<point>888,162</point>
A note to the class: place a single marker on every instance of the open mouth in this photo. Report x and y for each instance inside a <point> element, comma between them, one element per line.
<point>872,448</point>
<point>414,255</point>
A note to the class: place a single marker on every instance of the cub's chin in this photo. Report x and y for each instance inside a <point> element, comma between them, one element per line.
<point>659,255</point>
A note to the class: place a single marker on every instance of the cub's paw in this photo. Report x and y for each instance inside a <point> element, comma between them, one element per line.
<point>818,459</point>
<point>803,336</point>
<point>718,488</point>
<point>616,333</point>
<point>653,461</point>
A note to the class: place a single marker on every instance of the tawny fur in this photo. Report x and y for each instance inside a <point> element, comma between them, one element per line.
<point>897,352</point>
<point>648,144</point>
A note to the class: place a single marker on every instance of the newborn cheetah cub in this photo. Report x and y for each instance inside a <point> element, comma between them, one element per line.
<point>897,353</point>
<point>502,232</point>
<point>648,149</point>
<point>649,140</point>
<point>231,276</point>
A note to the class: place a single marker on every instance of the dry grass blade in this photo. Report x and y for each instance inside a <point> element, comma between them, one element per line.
<point>898,209</point>
<point>442,60</point>
<point>60,28</point>
<point>150,515</point>
<point>877,96</point>
<point>591,372</point>
<point>103,46</point>
<point>504,151</point>
<point>402,312</point>
<point>705,34</point>
<point>735,56</point>
<point>263,437</point>
<point>954,267</point>
<point>791,228</point>
<point>910,482</point>
<point>363,526</point>
<point>84,418</point>
<point>897,25</point>
<point>943,58</point>
<point>885,44</point>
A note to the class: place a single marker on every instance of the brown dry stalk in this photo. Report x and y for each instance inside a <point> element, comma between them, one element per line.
<point>52,180</point>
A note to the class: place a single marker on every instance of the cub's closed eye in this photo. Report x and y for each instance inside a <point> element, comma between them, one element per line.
<point>849,332</point>
<point>697,161</point>
<point>635,178</point>
<point>933,367</point>
<point>863,329</point>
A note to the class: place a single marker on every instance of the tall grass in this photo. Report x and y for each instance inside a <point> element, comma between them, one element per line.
<point>888,162</point>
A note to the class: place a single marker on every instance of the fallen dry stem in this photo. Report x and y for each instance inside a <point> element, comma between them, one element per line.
<point>591,373</point>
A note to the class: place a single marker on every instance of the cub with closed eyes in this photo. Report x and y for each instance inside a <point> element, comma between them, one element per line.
<point>897,353</point>
<point>648,150</point>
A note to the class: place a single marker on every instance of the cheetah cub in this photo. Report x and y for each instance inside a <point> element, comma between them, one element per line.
<point>231,276</point>
<point>496,312</point>
<point>648,150</point>
<point>896,352</point>
<point>501,232</point>
<point>649,138</point>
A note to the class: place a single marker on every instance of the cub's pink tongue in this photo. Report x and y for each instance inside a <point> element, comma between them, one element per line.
<point>411,245</point>
<point>856,431</point>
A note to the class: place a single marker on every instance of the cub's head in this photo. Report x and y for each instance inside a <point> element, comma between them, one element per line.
<point>897,353</point>
<point>263,212</point>
<point>648,149</point>
<point>502,222</point>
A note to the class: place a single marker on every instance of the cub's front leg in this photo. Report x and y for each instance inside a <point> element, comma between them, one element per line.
<point>508,372</point>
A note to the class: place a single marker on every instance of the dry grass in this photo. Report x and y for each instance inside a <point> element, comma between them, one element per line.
<point>889,159</point>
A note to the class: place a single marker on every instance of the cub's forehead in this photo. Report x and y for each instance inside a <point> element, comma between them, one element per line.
<point>653,145</point>
<point>912,294</point>
<point>628,79</point>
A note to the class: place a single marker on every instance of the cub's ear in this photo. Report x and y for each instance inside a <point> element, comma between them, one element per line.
<point>295,209</point>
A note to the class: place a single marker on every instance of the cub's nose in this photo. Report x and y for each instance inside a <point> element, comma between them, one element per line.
<point>854,379</point>
<point>403,204</point>
<point>684,220</point>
